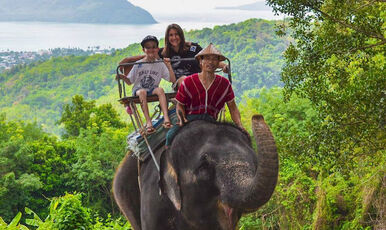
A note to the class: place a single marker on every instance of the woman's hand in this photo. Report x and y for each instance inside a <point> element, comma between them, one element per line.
<point>121,76</point>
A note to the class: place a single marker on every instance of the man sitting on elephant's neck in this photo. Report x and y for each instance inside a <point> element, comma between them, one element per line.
<point>201,96</point>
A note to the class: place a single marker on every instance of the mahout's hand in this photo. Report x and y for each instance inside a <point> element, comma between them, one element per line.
<point>181,116</point>
<point>225,69</point>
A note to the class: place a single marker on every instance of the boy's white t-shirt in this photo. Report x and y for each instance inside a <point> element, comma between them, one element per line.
<point>148,76</point>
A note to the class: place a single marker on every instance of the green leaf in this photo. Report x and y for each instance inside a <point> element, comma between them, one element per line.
<point>15,220</point>
<point>36,217</point>
<point>2,223</point>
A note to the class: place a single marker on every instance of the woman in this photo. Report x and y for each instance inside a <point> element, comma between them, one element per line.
<point>177,48</point>
<point>204,94</point>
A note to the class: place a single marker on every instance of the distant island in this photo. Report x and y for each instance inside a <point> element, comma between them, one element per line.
<point>256,6</point>
<point>74,11</point>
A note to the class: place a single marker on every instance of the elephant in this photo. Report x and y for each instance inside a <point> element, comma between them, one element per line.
<point>208,178</point>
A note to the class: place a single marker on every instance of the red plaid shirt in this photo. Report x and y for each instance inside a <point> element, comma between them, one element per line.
<point>197,100</point>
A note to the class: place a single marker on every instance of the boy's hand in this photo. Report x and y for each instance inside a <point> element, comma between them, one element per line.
<point>167,62</point>
<point>170,68</point>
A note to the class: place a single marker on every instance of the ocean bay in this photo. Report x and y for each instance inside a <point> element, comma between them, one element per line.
<point>34,36</point>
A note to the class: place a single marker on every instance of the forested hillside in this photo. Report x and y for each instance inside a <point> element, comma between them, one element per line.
<point>254,49</point>
<point>38,91</point>
<point>328,122</point>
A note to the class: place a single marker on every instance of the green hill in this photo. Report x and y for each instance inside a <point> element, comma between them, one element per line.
<point>36,92</point>
<point>74,11</point>
<point>328,122</point>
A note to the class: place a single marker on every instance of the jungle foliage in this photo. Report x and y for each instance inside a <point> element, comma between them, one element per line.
<point>36,166</point>
<point>306,197</point>
<point>328,122</point>
<point>66,212</point>
<point>338,63</point>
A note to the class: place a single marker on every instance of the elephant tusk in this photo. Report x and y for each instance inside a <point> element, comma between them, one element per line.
<point>229,214</point>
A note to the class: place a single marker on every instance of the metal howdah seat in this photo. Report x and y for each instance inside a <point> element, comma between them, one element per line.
<point>141,144</point>
<point>151,98</point>
<point>138,141</point>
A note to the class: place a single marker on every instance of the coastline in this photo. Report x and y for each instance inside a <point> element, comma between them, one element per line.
<point>36,36</point>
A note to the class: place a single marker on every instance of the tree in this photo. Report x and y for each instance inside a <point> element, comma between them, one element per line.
<point>98,137</point>
<point>105,116</point>
<point>338,63</point>
<point>76,115</point>
<point>97,156</point>
<point>33,165</point>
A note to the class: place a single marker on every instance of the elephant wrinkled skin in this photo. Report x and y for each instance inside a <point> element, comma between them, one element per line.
<point>208,178</point>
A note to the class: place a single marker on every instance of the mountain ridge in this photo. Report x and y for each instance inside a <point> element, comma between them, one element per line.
<point>75,11</point>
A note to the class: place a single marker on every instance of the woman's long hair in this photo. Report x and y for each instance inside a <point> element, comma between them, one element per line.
<point>168,47</point>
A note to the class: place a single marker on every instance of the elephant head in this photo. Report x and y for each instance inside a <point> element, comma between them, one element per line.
<point>212,175</point>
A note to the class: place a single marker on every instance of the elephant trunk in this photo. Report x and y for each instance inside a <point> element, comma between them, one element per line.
<point>261,182</point>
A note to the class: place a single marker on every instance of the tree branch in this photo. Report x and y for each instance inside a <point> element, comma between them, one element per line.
<point>369,46</point>
<point>368,4</point>
<point>363,47</point>
<point>373,35</point>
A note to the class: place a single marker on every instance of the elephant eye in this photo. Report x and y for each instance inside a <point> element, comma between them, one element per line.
<point>204,165</point>
<point>204,170</point>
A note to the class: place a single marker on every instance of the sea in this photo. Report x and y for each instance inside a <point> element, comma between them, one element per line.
<point>37,36</point>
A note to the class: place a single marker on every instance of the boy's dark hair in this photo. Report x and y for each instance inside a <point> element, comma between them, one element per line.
<point>149,38</point>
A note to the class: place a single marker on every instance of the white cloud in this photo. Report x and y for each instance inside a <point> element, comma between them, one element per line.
<point>189,13</point>
<point>185,6</point>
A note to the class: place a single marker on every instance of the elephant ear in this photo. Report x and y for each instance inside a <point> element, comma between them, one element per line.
<point>168,180</point>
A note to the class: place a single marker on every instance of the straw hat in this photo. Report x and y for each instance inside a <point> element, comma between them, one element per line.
<point>210,50</point>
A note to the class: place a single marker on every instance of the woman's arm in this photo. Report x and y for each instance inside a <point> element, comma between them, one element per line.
<point>125,79</point>
<point>127,68</point>
<point>131,59</point>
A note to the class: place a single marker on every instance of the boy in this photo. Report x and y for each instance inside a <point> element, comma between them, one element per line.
<point>146,78</point>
